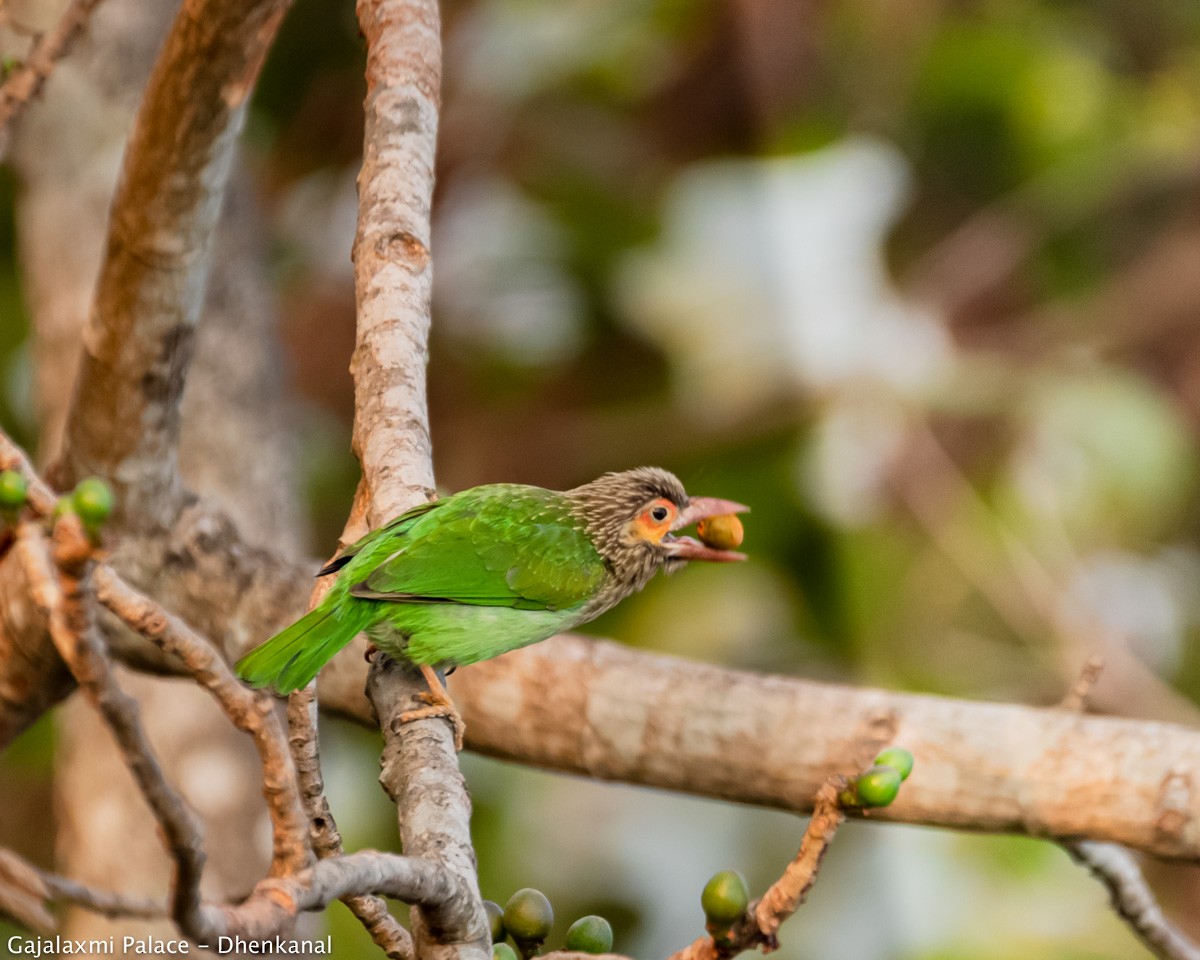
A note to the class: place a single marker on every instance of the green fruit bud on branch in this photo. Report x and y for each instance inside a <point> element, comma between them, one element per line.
<point>898,759</point>
<point>93,501</point>
<point>528,918</point>
<point>876,788</point>
<point>725,898</point>
<point>502,951</point>
<point>495,915</point>
<point>591,934</point>
<point>13,490</point>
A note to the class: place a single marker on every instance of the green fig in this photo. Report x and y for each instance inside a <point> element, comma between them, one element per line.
<point>528,918</point>
<point>898,759</point>
<point>13,490</point>
<point>591,934</point>
<point>878,786</point>
<point>495,915</point>
<point>93,501</point>
<point>725,898</point>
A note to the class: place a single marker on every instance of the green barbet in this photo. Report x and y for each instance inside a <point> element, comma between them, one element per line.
<point>490,569</point>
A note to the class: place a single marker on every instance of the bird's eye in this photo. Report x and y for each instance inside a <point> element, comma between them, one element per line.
<point>659,514</point>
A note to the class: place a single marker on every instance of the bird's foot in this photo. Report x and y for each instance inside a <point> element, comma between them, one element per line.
<point>369,653</point>
<point>439,704</point>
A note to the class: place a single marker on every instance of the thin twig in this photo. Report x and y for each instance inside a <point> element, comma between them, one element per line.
<point>39,495</point>
<point>1132,898</point>
<point>26,81</point>
<point>786,894</point>
<point>250,711</point>
<point>759,927</point>
<point>1076,698</point>
<point>371,911</point>
<point>41,886</point>
<point>23,893</point>
<point>64,598</point>
<point>1117,868</point>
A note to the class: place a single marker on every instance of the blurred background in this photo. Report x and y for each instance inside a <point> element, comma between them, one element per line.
<point>918,280</point>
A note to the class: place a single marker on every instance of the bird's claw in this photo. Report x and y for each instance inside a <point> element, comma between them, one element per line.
<point>438,707</point>
<point>370,652</point>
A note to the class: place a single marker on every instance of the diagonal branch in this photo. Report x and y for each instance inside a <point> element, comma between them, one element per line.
<point>63,598</point>
<point>250,711</point>
<point>1132,898</point>
<point>32,887</point>
<point>124,417</point>
<point>27,80</point>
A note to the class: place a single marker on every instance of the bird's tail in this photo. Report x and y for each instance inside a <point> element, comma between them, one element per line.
<point>291,658</point>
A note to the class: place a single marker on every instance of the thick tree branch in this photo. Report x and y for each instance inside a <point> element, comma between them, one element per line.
<point>393,277</point>
<point>393,273</point>
<point>606,711</point>
<point>124,418</point>
<point>419,771</point>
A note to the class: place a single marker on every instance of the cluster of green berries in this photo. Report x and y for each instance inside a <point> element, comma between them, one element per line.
<point>528,917</point>
<point>879,786</point>
<point>91,500</point>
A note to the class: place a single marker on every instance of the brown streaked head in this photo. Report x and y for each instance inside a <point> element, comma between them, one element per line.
<point>632,517</point>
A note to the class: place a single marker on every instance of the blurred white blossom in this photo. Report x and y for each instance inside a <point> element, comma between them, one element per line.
<point>1148,602</point>
<point>318,218</point>
<point>1103,454</point>
<point>770,274</point>
<point>499,279</point>
<point>844,468</point>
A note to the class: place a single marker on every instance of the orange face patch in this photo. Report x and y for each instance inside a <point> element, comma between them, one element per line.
<point>655,520</point>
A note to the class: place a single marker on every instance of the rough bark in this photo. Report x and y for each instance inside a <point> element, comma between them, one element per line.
<point>233,446</point>
<point>393,277</point>
<point>138,342</point>
<point>616,714</point>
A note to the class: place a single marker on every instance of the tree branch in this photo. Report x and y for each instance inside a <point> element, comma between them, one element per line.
<point>762,920</point>
<point>27,80</point>
<point>250,711</point>
<point>609,712</point>
<point>1132,898</point>
<point>393,276</point>
<point>326,839</point>
<point>124,418</point>
<point>393,273</point>
<point>73,630</point>
<point>419,771</point>
<point>37,887</point>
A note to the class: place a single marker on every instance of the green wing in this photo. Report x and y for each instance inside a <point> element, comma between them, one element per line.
<point>392,528</point>
<point>502,545</point>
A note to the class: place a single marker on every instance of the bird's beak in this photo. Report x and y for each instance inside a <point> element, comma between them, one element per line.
<point>701,508</point>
